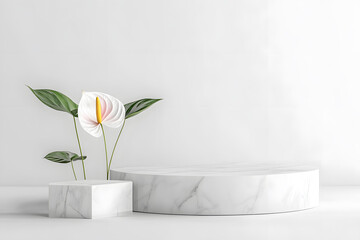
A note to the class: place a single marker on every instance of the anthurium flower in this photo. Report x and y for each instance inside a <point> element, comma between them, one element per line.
<point>97,108</point>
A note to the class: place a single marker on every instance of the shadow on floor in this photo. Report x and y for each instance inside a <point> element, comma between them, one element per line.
<point>35,208</point>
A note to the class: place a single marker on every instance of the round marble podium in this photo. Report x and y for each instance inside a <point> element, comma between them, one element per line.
<point>228,189</point>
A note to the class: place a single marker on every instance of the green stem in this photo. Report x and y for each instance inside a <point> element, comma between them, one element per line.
<point>107,165</point>
<point>72,166</point>
<point>82,157</point>
<point>112,154</point>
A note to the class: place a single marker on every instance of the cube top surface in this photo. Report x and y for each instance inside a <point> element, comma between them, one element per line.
<point>87,183</point>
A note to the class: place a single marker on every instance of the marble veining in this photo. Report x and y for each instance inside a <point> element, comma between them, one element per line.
<point>89,199</point>
<point>227,189</point>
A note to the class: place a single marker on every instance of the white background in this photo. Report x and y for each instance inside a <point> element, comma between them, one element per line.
<point>241,80</point>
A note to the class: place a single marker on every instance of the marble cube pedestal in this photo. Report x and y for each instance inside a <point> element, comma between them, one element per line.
<point>89,199</point>
<point>226,189</point>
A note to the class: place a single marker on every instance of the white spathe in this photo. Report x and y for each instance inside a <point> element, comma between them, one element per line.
<point>112,112</point>
<point>222,189</point>
<point>89,199</point>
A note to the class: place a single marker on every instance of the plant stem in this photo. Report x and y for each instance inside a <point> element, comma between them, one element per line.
<point>82,157</point>
<point>112,154</point>
<point>107,166</point>
<point>72,166</point>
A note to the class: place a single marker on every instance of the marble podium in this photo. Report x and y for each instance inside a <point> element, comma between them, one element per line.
<point>89,199</point>
<point>228,189</point>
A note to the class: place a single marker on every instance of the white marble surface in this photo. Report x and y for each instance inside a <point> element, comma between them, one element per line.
<point>227,189</point>
<point>24,215</point>
<point>89,199</point>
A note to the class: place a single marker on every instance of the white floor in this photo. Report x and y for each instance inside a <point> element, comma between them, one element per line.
<point>23,215</point>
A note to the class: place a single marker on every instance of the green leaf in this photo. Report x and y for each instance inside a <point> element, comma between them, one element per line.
<point>56,100</point>
<point>136,107</point>
<point>63,157</point>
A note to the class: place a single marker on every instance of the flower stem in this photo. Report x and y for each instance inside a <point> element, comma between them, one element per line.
<point>107,165</point>
<point>112,154</point>
<point>72,166</point>
<point>82,157</point>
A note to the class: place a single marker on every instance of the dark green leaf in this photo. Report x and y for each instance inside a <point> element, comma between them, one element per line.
<point>76,158</point>
<point>56,100</point>
<point>138,106</point>
<point>74,112</point>
<point>63,157</point>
